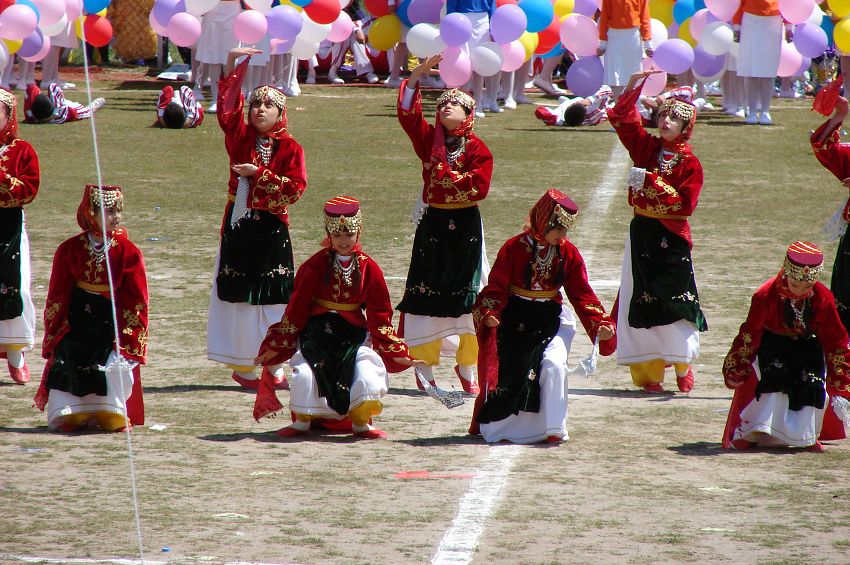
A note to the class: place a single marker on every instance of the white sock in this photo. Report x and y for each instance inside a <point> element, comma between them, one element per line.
<point>467,372</point>
<point>15,357</point>
<point>300,425</point>
<point>426,371</point>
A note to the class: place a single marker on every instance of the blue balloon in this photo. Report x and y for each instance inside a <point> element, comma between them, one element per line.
<point>95,6</point>
<point>401,12</point>
<point>538,13</point>
<point>699,5</point>
<point>683,10</point>
<point>827,25</point>
<point>34,9</point>
<point>557,51</point>
<point>301,3</point>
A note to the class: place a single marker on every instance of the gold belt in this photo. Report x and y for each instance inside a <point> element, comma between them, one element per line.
<point>336,305</point>
<point>93,287</point>
<point>519,291</point>
<point>456,206</point>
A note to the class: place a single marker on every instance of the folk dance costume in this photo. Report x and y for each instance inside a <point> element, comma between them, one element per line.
<point>456,171</point>
<point>19,181</point>
<point>64,110</point>
<point>624,32</point>
<point>337,335</point>
<point>596,109</point>
<point>184,99</point>
<point>789,357</point>
<point>658,309</point>
<point>523,360</point>
<point>254,267</point>
<point>79,335</point>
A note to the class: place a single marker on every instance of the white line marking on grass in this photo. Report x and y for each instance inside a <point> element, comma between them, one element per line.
<point>609,186</point>
<point>72,560</point>
<point>459,542</point>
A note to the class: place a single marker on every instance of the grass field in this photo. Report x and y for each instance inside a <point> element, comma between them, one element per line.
<point>642,479</point>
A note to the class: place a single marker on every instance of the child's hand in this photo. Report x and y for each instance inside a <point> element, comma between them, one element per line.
<point>407,362</point>
<point>359,36</point>
<point>264,357</point>
<point>605,332</point>
<point>245,169</point>
<point>491,321</point>
<point>426,66</point>
<point>237,52</point>
<point>841,108</point>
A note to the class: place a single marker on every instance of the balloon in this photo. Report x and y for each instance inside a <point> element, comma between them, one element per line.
<point>529,42</point>
<point>17,22</point>
<point>378,8</point>
<point>163,10</point>
<point>41,54</point>
<point>4,54</point>
<point>585,7</point>
<point>200,7</point>
<point>513,56</point>
<point>584,77</point>
<point>549,36</point>
<point>341,28</point>
<point>810,40</point>
<point>291,4</point>
<point>323,11</point>
<point>425,11</point>
<point>12,45</point>
<point>300,3</point>
<point>557,51</point>
<point>507,24</point>
<point>50,11</point>
<point>60,25</point>
<point>655,83</point>
<point>455,30</point>
<point>281,46</point>
<point>98,30</point>
<point>709,80</point>
<point>385,32</point>
<point>31,44</point>
<point>486,59</point>
<point>157,27</point>
<point>284,22</point>
<point>262,6</point>
<point>840,9</point>
<point>699,21</point>
<point>538,12</point>
<point>94,6</point>
<point>563,7</point>
<point>796,11</point>
<point>662,10</point>
<point>184,29</point>
<point>659,33</point>
<point>829,28</point>
<point>423,40</point>
<point>73,8</point>
<point>500,3</point>
<point>717,38</point>
<point>723,10</point>
<point>250,26</point>
<point>684,33</point>
<point>311,32</point>
<point>303,50</point>
<point>841,34</point>
<point>580,35</point>
<point>804,66</point>
<point>674,56</point>
<point>682,10</point>
<point>707,64</point>
<point>789,60</point>
<point>455,68</point>
<point>816,17</point>
<point>34,8</point>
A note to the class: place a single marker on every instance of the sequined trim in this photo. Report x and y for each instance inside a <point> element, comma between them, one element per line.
<point>525,293</point>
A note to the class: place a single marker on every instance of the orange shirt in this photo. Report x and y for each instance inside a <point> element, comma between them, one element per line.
<point>757,8</point>
<point>625,14</point>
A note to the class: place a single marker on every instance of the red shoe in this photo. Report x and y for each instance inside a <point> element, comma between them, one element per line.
<point>124,429</point>
<point>470,387</point>
<point>289,431</point>
<point>817,447</point>
<point>654,387</point>
<point>372,433</point>
<point>554,440</point>
<point>249,384</point>
<point>280,383</point>
<point>546,116</point>
<point>67,428</point>
<point>686,383</point>
<point>742,445</point>
<point>20,376</point>
<point>432,382</point>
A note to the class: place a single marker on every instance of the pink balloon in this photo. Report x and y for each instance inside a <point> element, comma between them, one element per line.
<point>50,11</point>
<point>698,21</point>
<point>42,53</point>
<point>455,68</point>
<point>17,21</point>
<point>158,28</point>
<point>74,8</point>
<point>281,46</point>
<point>655,84</point>
<point>796,11</point>
<point>580,35</point>
<point>249,27</point>
<point>789,60</point>
<point>513,56</point>
<point>184,29</point>
<point>723,9</point>
<point>341,28</point>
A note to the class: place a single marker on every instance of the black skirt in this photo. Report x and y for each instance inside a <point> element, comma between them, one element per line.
<point>11,233</point>
<point>793,366</point>
<point>85,348</point>
<point>329,344</point>
<point>255,262</point>
<point>664,288</point>
<point>445,267</point>
<point>527,327</point>
<point>840,284</point>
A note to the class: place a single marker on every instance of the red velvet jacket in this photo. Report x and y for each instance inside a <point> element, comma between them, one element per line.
<point>464,184</point>
<point>833,155</point>
<point>19,174</point>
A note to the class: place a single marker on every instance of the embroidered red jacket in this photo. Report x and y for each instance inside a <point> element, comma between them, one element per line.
<point>19,174</point>
<point>74,266</point>
<point>319,288</point>
<point>833,155</point>
<point>467,182</point>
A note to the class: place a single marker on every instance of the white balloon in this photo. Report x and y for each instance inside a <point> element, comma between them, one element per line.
<point>312,32</point>
<point>816,16</point>
<point>262,6</point>
<point>303,49</point>
<point>717,38</point>
<point>423,40</point>
<point>200,7</point>
<point>711,79</point>
<point>659,33</point>
<point>4,54</point>
<point>735,49</point>
<point>53,29</point>
<point>487,59</point>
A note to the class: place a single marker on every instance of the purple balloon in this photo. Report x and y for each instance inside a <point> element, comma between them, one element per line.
<point>584,76</point>
<point>455,29</point>
<point>810,40</point>
<point>508,23</point>
<point>32,44</point>
<point>804,66</point>
<point>164,10</point>
<point>585,8</point>
<point>284,22</point>
<point>674,56</point>
<point>424,11</point>
<point>706,64</point>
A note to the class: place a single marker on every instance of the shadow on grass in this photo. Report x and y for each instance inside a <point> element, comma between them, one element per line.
<point>313,436</point>
<point>665,396</point>
<point>464,439</point>
<point>36,430</point>
<point>699,449</point>
<point>194,388</point>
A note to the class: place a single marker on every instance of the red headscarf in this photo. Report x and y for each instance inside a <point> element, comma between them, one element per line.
<point>553,209</point>
<point>684,110</point>
<point>342,213</point>
<point>803,262</point>
<point>88,212</point>
<point>438,151</point>
<point>278,99</point>
<point>10,130</point>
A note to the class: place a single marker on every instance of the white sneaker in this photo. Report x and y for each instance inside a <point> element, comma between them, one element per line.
<point>333,78</point>
<point>510,104</point>
<point>372,78</point>
<point>66,85</point>
<point>199,94</point>
<point>479,113</point>
<point>764,119</point>
<point>752,119</point>
<point>311,79</point>
<point>708,106</point>
<point>392,82</point>
<point>493,106</point>
<point>522,99</point>
<point>97,104</point>
<point>212,109</point>
<point>740,113</point>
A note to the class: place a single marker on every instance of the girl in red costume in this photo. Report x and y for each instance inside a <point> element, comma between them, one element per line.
<point>525,332</point>
<point>456,171</point>
<point>19,180</point>
<point>254,269</point>
<point>658,310</point>
<point>337,374</point>
<point>789,357</point>
<point>79,335</point>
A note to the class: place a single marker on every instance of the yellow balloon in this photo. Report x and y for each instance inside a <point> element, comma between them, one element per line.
<point>12,45</point>
<point>529,42</point>
<point>78,26</point>
<point>842,35</point>
<point>563,7</point>
<point>102,13</point>
<point>385,32</point>
<point>839,8</point>
<point>685,33</point>
<point>288,3</point>
<point>662,10</point>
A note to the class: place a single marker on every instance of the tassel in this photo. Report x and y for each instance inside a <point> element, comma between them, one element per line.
<point>266,402</point>
<point>841,406</point>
